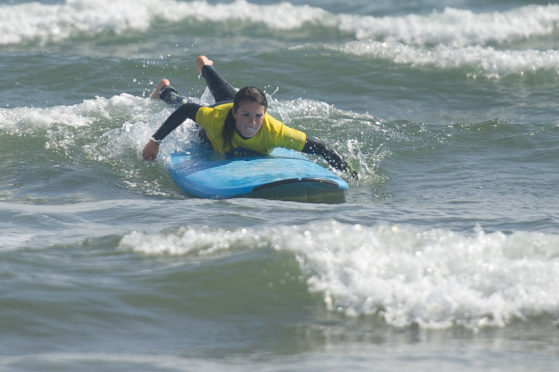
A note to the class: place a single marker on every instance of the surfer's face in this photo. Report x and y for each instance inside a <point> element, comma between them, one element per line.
<point>248,118</point>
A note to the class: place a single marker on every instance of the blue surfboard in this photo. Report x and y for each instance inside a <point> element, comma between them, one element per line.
<point>284,174</point>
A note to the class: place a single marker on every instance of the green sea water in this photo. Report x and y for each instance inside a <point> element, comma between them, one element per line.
<point>444,255</point>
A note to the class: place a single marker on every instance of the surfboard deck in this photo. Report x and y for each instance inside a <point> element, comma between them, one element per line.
<point>284,174</point>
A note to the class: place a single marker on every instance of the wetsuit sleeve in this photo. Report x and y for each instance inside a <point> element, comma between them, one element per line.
<point>170,95</point>
<point>185,111</point>
<point>316,147</point>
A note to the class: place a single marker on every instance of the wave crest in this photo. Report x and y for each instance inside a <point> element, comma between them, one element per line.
<point>454,27</point>
<point>434,278</point>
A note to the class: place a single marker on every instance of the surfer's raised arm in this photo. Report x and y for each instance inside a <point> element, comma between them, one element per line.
<point>239,119</point>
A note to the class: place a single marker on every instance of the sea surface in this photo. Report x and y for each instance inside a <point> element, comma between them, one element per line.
<point>443,257</point>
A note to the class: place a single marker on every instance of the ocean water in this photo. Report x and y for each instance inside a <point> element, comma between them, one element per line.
<point>444,255</point>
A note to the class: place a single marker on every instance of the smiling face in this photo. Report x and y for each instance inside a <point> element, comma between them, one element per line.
<point>248,118</point>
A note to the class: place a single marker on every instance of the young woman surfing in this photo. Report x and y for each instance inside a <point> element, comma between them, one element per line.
<point>238,120</point>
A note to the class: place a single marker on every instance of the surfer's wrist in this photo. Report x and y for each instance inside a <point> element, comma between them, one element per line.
<point>158,142</point>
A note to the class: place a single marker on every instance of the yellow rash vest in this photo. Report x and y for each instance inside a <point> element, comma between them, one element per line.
<point>272,134</point>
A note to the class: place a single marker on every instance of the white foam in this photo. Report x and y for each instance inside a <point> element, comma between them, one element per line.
<point>433,278</point>
<point>39,22</point>
<point>456,27</point>
<point>486,61</point>
<point>111,127</point>
<point>199,241</point>
<point>34,21</point>
<point>19,119</point>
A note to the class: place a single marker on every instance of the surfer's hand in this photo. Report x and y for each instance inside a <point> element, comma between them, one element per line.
<point>352,172</point>
<point>151,150</point>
